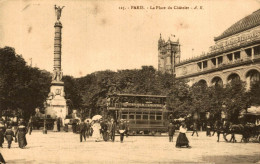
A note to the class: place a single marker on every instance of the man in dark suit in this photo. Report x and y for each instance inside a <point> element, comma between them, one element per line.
<point>88,126</point>
<point>195,128</point>
<point>171,131</point>
<point>113,129</point>
<point>82,130</point>
<point>58,124</point>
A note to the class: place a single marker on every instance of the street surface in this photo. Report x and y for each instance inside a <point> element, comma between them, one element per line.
<point>61,147</point>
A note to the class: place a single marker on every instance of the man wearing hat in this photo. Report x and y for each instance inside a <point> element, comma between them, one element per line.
<point>82,130</point>
<point>112,129</point>
<point>171,131</point>
<point>88,126</point>
<point>9,135</point>
<point>122,128</point>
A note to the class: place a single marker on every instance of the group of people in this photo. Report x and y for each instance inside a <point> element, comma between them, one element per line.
<point>19,135</point>
<point>103,129</point>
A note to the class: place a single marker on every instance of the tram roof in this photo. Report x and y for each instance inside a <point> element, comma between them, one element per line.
<point>137,95</point>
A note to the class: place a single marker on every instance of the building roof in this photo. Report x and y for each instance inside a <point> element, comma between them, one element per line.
<point>246,23</point>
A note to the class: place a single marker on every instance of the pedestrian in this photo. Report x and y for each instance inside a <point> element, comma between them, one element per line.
<point>9,135</point>
<point>96,131</point>
<point>171,131</point>
<point>82,130</point>
<point>112,130</point>
<point>122,128</point>
<point>105,133</point>
<point>74,125</point>
<point>182,140</point>
<point>208,128</point>
<point>21,135</point>
<point>215,129</point>
<point>55,126</point>
<point>66,127</point>
<point>219,128</point>
<point>58,124</point>
<point>88,126</point>
<point>2,132</point>
<point>30,126</point>
<point>195,128</point>
<point>232,131</point>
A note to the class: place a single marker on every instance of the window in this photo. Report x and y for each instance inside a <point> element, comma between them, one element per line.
<point>124,116</point>
<point>132,117</point>
<point>199,65</point>
<point>249,52</point>
<point>237,55</point>
<point>152,117</point>
<point>230,57</point>
<point>220,60</point>
<point>145,117</point>
<point>138,117</point>
<point>158,117</point>
<point>213,61</point>
<point>205,64</point>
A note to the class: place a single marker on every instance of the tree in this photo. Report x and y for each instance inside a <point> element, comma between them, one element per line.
<point>179,99</point>
<point>21,87</point>
<point>254,93</point>
<point>236,99</point>
<point>72,93</point>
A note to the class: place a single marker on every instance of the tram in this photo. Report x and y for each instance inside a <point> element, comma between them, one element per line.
<point>145,114</point>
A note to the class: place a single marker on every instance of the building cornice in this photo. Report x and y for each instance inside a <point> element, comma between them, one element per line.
<point>223,67</point>
<point>210,55</point>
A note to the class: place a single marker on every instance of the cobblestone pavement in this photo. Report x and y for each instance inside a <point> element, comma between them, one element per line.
<point>65,148</point>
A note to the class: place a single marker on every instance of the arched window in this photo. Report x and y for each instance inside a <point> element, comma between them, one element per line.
<point>233,77</point>
<point>217,81</point>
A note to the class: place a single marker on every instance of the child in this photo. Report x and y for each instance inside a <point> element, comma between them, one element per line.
<point>9,134</point>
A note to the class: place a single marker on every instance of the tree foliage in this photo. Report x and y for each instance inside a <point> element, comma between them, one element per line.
<point>21,87</point>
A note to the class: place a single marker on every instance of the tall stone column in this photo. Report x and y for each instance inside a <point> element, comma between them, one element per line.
<point>56,106</point>
<point>57,47</point>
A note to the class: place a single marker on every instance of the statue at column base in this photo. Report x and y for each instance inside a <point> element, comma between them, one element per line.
<point>57,75</point>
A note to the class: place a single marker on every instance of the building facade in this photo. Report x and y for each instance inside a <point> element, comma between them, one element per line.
<point>235,55</point>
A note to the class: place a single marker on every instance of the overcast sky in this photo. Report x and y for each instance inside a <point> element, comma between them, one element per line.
<point>97,35</point>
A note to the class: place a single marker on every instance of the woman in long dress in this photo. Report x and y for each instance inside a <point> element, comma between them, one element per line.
<point>182,140</point>
<point>96,131</point>
<point>21,133</point>
<point>55,126</point>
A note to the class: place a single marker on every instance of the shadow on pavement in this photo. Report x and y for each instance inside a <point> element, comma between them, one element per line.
<point>232,159</point>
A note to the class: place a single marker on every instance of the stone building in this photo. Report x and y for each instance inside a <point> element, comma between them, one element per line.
<point>169,55</point>
<point>235,55</point>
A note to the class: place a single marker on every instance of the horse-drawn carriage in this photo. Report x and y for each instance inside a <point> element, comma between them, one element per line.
<point>249,129</point>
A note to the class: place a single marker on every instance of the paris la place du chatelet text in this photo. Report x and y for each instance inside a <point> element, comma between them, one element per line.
<point>162,7</point>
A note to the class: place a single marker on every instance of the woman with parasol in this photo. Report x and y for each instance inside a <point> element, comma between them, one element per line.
<point>182,140</point>
<point>96,127</point>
